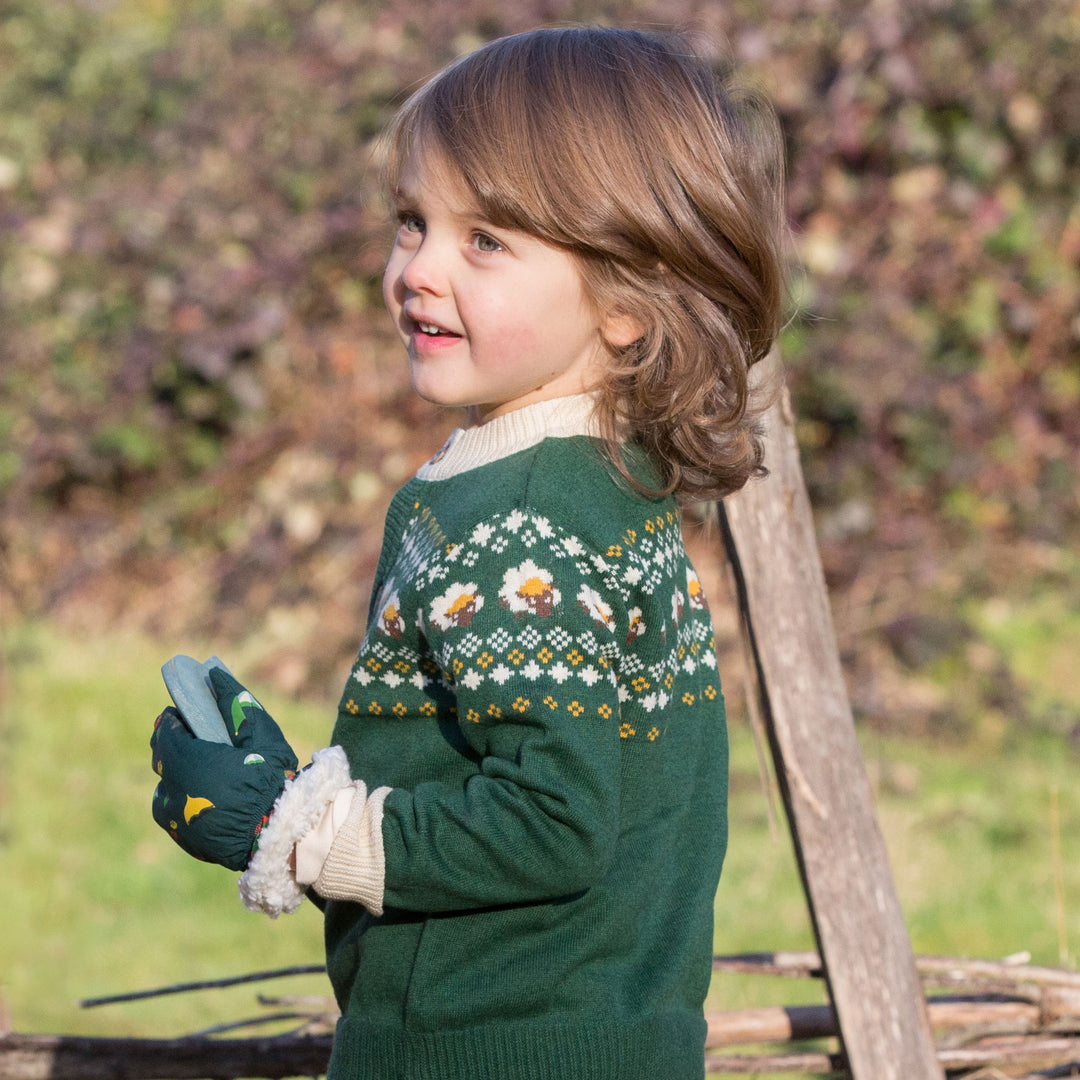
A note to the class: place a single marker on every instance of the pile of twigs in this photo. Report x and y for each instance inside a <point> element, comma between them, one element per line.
<point>302,1048</point>
<point>998,1020</point>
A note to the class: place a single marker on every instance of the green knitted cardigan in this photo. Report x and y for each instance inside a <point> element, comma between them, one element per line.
<point>538,688</point>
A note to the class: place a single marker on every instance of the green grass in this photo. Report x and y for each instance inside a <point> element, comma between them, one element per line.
<point>1040,637</point>
<point>973,848</point>
<point>98,901</point>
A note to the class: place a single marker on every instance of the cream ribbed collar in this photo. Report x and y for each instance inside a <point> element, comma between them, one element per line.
<point>468,448</point>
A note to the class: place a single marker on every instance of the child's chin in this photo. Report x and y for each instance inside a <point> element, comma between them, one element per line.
<point>434,395</point>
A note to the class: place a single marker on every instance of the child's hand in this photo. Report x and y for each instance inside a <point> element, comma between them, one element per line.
<point>214,799</point>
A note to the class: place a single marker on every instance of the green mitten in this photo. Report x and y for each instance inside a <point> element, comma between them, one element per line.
<point>213,799</point>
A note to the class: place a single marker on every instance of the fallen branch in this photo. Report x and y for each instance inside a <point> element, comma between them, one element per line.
<point>69,1057</point>
<point>965,1018</point>
<point>1071,1069</point>
<point>947,970</point>
<point>253,1022</point>
<point>1030,1053</point>
<point>320,1003</point>
<point>798,965</point>
<point>210,984</point>
<point>817,1062</point>
<point>772,1024</point>
<point>934,970</point>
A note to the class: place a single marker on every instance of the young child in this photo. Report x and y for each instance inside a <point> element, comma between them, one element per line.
<point>518,831</point>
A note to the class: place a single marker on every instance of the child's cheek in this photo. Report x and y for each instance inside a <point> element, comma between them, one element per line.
<point>509,337</point>
<point>392,288</point>
<point>513,344</point>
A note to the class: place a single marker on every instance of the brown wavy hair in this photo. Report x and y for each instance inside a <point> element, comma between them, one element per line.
<point>666,183</point>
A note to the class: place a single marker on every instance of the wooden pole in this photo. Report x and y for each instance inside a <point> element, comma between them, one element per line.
<point>866,953</point>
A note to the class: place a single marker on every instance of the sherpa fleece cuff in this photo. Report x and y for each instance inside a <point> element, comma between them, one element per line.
<point>269,884</point>
<point>312,850</point>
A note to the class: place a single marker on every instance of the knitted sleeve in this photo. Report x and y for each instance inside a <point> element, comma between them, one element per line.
<point>520,625</point>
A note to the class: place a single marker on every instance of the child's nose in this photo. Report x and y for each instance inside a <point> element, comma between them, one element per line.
<point>424,271</point>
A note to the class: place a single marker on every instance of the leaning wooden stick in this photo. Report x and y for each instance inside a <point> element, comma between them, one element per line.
<point>769,533</point>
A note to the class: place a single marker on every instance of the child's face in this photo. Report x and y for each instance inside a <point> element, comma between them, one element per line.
<point>493,319</point>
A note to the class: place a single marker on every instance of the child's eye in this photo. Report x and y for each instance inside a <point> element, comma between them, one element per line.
<point>483,242</point>
<point>411,222</point>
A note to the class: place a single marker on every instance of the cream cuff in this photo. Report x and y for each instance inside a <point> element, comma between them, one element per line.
<point>269,884</point>
<point>355,866</point>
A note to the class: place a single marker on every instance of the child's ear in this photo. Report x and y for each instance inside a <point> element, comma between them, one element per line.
<point>620,329</point>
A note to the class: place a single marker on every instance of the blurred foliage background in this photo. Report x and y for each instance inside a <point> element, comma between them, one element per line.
<point>203,411</point>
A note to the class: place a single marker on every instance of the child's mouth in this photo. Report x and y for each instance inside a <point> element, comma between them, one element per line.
<point>429,333</point>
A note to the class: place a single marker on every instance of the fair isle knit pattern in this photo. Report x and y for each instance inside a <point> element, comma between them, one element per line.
<point>537,687</point>
<point>565,643</point>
